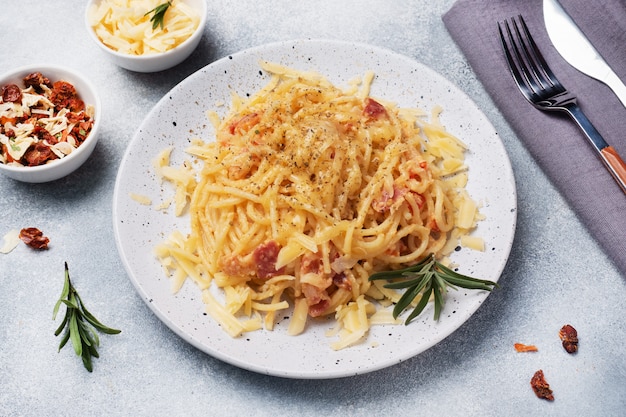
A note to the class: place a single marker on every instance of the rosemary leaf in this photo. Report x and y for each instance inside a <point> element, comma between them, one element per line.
<point>159,14</point>
<point>94,321</point>
<point>64,340</point>
<point>75,335</point>
<point>425,278</point>
<point>419,307</point>
<point>79,324</point>
<point>86,357</point>
<point>398,285</point>
<point>438,298</point>
<point>64,294</point>
<point>404,301</point>
<point>63,323</point>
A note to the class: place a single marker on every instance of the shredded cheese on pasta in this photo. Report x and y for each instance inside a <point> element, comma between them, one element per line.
<point>305,191</point>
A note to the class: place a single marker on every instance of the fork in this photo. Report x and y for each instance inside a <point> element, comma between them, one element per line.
<point>543,90</point>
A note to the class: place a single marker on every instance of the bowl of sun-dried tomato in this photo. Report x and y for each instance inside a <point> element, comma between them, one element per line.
<point>49,122</point>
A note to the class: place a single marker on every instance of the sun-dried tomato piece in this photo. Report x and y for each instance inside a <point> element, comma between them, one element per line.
<point>11,93</point>
<point>34,238</point>
<point>38,154</point>
<point>541,387</point>
<point>520,347</point>
<point>35,80</point>
<point>64,95</point>
<point>569,336</point>
<point>43,134</point>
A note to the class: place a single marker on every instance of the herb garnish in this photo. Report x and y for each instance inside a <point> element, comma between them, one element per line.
<point>79,324</point>
<point>427,277</point>
<point>159,14</point>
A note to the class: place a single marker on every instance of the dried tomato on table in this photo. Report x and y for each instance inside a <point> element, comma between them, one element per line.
<point>569,336</point>
<point>520,347</point>
<point>541,387</point>
<point>34,238</point>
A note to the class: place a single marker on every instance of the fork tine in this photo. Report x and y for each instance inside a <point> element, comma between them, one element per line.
<point>542,66</point>
<point>515,62</point>
<point>536,79</point>
<point>528,66</point>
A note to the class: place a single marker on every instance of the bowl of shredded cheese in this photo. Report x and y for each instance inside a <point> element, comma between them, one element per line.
<point>49,122</point>
<point>146,35</point>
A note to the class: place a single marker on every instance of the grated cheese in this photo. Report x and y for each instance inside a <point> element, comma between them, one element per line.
<point>239,202</point>
<point>473,242</point>
<point>125,26</point>
<point>141,199</point>
<point>11,240</point>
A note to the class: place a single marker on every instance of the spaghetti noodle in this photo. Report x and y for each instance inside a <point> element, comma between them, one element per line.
<point>305,192</point>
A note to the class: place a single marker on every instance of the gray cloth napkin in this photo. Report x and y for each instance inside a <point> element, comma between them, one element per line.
<point>553,139</point>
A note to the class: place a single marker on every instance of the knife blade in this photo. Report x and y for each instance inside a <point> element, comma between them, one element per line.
<point>576,49</point>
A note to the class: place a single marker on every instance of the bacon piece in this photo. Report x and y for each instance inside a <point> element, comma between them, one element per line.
<point>341,281</point>
<point>317,299</point>
<point>541,387</point>
<point>386,200</point>
<point>34,238</point>
<point>373,109</point>
<point>434,227</point>
<point>11,93</point>
<point>265,260</point>
<point>318,309</point>
<point>311,263</point>
<point>244,124</point>
<point>520,347</point>
<point>569,336</point>
<point>317,296</point>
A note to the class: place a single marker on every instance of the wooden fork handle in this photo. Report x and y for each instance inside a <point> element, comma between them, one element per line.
<point>615,164</point>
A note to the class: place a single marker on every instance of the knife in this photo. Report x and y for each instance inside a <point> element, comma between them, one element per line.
<point>576,49</point>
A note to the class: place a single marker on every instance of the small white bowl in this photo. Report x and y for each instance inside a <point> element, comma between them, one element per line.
<point>159,61</point>
<point>58,168</point>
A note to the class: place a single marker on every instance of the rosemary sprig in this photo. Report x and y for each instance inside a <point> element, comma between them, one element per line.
<point>79,324</point>
<point>427,277</point>
<point>159,14</point>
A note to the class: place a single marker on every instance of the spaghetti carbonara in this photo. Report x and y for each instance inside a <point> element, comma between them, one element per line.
<point>305,191</point>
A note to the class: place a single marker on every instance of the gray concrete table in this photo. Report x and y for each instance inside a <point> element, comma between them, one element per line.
<point>556,273</point>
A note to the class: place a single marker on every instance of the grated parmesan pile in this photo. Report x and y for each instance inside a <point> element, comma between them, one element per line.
<point>125,26</point>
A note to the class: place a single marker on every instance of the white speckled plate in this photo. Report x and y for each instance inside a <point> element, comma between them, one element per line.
<point>181,114</point>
